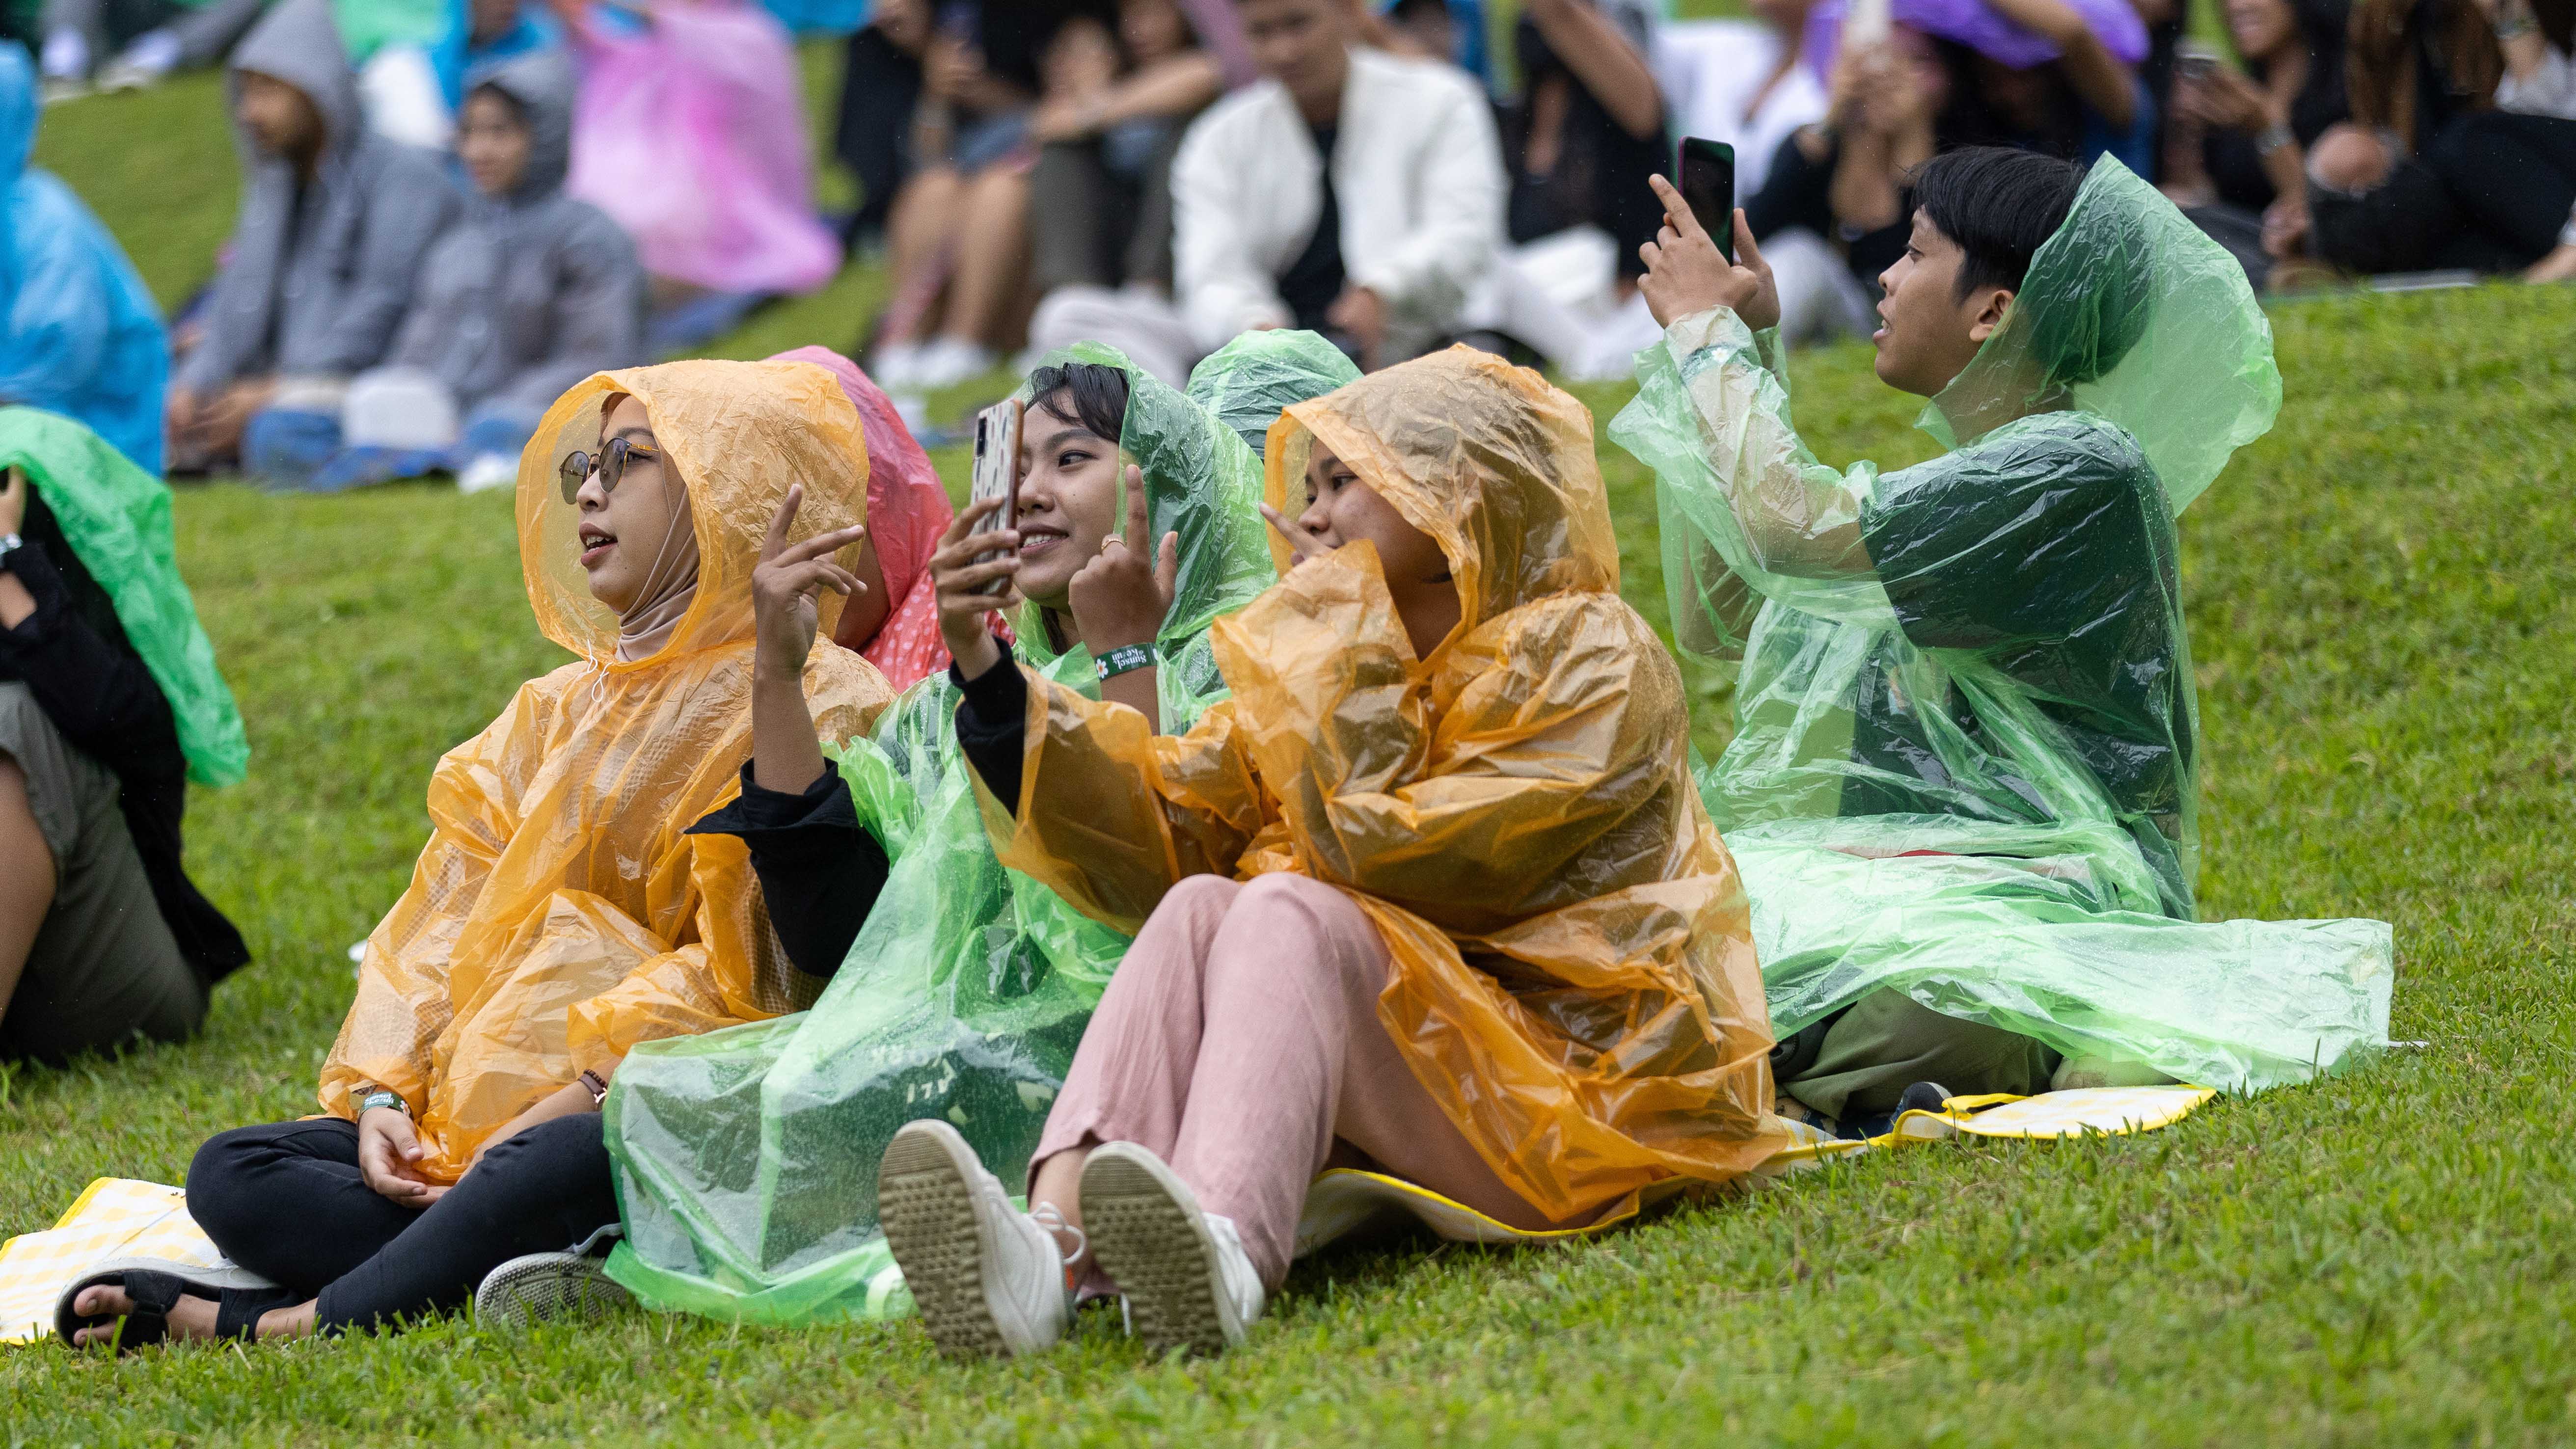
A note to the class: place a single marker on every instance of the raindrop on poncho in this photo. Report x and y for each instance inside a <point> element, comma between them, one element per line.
<point>79,334</point>
<point>1966,750</point>
<point>561,915</point>
<point>747,1160</point>
<point>1572,970</point>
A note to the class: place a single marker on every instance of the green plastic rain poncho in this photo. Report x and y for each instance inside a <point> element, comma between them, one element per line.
<point>1250,381</point>
<point>117,518</point>
<point>747,1159</point>
<point>1966,749</point>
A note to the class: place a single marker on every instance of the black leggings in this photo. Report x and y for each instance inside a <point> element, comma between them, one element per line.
<point>285,1201</point>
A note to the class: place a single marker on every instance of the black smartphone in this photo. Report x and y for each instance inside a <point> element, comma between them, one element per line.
<point>1707,172</point>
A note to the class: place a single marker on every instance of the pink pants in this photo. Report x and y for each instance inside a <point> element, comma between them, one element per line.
<point>1239,1041</point>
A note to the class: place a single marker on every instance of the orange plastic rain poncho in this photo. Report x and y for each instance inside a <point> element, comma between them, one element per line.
<point>560,914</point>
<point>1573,974</point>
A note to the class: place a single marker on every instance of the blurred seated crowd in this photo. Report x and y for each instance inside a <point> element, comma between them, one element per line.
<point>451,209</point>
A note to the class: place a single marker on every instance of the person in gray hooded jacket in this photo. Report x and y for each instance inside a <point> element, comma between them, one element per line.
<point>334,222</point>
<point>530,293</point>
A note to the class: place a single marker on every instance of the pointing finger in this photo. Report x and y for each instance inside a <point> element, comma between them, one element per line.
<point>1677,212</point>
<point>780,521</point>
<point>1138,525</point>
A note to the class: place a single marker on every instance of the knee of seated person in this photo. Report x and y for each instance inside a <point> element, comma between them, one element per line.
<point>214,1183</point>
<point>549,1147</point>
<point>2349,158</point>
<point>1290,908</point>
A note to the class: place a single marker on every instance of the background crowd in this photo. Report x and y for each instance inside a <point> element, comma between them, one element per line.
<point>627,181</point>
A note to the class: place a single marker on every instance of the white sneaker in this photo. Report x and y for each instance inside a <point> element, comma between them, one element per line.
<point>989,1278</point>
<point>544,1286</point>
<point>1187,1280</point>
<point>950,361</point>
<point>895,365</point>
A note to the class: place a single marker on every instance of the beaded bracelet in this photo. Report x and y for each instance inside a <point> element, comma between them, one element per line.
<point>1125,658</point>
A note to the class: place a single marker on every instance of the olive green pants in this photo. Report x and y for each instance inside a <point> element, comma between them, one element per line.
<point>1860,1060</point>
<point>104,968</point>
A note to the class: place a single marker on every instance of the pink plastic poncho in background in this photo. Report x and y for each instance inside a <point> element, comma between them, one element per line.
<point>691,133</point>
<point>908,509</point>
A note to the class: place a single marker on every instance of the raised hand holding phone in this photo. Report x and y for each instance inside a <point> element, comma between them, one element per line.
<point>1686,273</point>
<point>972,562</point>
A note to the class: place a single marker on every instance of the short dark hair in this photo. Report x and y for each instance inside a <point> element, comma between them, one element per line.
<point>517,108</point>
<point>1999,205</point>
<point>1091,393</point>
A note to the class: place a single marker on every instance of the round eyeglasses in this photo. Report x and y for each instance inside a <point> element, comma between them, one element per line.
<point>611,462</point>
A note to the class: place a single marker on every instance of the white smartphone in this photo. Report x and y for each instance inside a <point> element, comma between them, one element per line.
<point>997,473</point>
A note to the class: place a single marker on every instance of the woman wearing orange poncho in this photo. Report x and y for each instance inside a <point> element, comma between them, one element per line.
<point>1434,890</point>
<point>589,882</point>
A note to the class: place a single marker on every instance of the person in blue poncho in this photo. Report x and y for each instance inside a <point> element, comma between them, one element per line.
<point>79,334</point>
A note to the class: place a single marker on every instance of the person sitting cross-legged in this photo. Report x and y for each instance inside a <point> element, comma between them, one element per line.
<point>596,876</point>
<point>1963,782</point>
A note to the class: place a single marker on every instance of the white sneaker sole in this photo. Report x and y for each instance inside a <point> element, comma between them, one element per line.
<point>544,1287</point>
<point>1151,1239</point>
<point>926,1208</point>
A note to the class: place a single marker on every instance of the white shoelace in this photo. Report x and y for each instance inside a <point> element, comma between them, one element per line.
<point>1048,1216</point>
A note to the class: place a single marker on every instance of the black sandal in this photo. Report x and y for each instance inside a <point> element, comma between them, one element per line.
<point>156,1285</point>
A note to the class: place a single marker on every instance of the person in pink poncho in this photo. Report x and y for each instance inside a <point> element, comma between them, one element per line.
<point>691,133</point>
<point>895,623</point>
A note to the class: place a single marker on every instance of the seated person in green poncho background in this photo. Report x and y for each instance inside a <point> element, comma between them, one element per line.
<point>1963,778</point>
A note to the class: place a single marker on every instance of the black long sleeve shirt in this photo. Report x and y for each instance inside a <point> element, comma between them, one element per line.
<point>820,870</point>
<point>95,689</point>
<point>992,725</point>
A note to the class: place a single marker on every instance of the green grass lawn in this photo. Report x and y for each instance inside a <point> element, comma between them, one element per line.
<point>2384,621</point>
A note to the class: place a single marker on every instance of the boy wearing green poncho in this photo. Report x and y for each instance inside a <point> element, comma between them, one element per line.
<point>1962,787</point>
<point>746,1159</point>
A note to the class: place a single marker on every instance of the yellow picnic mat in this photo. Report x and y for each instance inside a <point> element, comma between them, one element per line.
<point>2081,1112</point>
<point>114,1217</point>
<point>1343,1201</point>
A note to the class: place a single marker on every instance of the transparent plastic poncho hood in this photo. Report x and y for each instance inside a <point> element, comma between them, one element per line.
<point>747,1159</point>
<point>1966,754</point>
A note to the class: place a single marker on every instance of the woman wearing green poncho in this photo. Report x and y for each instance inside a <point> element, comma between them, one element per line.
<point>1962,784</point>
<point>747,1158</point>
<point>109,704</point>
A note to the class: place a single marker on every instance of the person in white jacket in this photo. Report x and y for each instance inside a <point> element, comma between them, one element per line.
<point>1347,191</point>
